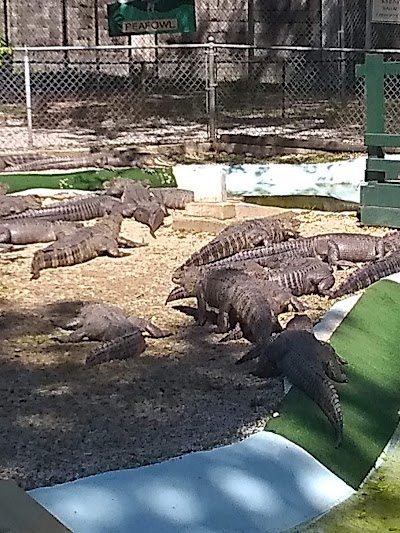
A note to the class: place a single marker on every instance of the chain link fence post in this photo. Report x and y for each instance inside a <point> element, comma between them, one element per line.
<point>28,96</point>
<point>211,89</point>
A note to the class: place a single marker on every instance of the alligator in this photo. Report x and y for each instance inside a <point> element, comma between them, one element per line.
<point>103,159</point>
<point>28,231</point>
<point>238,298</point>
<point>9,248</point>
<point>279,298</point>
<point>100,160</point>
<point>307,275</point>
<point>11,205</point>
<point>28,162</point>
<point>338,249</point>
<point>333,362</point>
<point>138,202</point>
<point>368,274</point>
<point>86,208</point>
<point>288,222</point>
<point>242,237</point>
<point>173,198</point>
<point>84,244</point>
<point>97,321</point>
<point>299,356</point>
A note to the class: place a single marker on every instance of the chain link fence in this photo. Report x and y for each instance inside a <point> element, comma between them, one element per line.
<point>85,97</point>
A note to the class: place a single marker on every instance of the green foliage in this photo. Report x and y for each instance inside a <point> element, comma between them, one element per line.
<point>164,175</point>
<point>4,50</point>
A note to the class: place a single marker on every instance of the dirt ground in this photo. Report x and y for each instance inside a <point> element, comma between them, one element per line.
<point>61,420</point>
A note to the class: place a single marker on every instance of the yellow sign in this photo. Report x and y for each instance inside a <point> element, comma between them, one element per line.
<point>139,26</point>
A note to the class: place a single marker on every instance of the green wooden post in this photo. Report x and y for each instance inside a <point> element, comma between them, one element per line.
<point>374,73</point>
<point>380,202</point>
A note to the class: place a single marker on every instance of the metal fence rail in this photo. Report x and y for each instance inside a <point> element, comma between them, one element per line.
<point>83,96</point>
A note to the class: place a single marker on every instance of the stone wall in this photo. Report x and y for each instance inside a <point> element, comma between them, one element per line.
<point>40,22</point>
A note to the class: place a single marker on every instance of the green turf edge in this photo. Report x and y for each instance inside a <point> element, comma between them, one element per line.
<point>369,338</point>
<point>88,180</point>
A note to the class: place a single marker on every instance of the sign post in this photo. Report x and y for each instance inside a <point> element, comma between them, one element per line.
<point>135,17</point>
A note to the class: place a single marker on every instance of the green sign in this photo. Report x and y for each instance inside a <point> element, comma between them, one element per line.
<point>135,17</point>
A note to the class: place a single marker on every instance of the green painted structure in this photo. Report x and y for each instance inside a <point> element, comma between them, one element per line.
<point>136,17</point>
<point>380,195</point>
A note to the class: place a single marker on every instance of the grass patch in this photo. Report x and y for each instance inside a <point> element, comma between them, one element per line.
<point>369,338</point>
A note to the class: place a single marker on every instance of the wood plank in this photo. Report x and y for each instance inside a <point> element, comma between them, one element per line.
<point>380,195</point>
<point>380,216</point>
<point>375,95</point>
<point>391,167</point>
<point>391,68</point>
<point>19,513</point>
<point>382,139</point>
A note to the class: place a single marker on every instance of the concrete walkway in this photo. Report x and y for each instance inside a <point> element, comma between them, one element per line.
<point>262,484</point>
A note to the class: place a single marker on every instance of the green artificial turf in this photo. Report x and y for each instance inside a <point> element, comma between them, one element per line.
<point>85,179</point>
<point>369,339</point>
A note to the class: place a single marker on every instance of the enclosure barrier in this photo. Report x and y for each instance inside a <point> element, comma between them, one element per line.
<point>78,96</point>
<point>380,196</point>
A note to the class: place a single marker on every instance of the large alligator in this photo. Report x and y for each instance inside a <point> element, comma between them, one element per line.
<point>103,322</point>
<point>86,208</point>
<point>84,244</point>
<point>12,205</point>
<point>138,202</point>
<point>340,249</point>
<point>243,236</point>
<point>300,357</point>
<point>28,231</point>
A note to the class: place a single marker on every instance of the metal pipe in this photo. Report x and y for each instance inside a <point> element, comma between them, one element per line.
<point>64,23</point>
<point>5,20</point>
<point>199,46</point>
<point>368,24</point>
<point>212,85</point>
<point>28,97</point>
<point>342,40</point>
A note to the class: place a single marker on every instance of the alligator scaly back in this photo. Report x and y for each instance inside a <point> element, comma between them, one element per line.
<point>85,244</point>
<point>86,208</point>
<point>123,347</point>
<point>301,358</point>
<point>173,198</point>
<point>242,236</point>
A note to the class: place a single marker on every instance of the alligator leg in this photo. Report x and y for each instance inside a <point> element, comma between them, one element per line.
<point>110,247</point>
<point>235,334</point>
<point>325,284</point>
<point>380,250</point>
<point>223,318</point>
<point>127,243</point>
<point>151,329</point>
<point>75,336</point>
<point>5,235</point>
<point>201,306</point>
<point>334,256</point>
<point>339,359</point>
<point>74,323</point>
<point>297,305</point>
